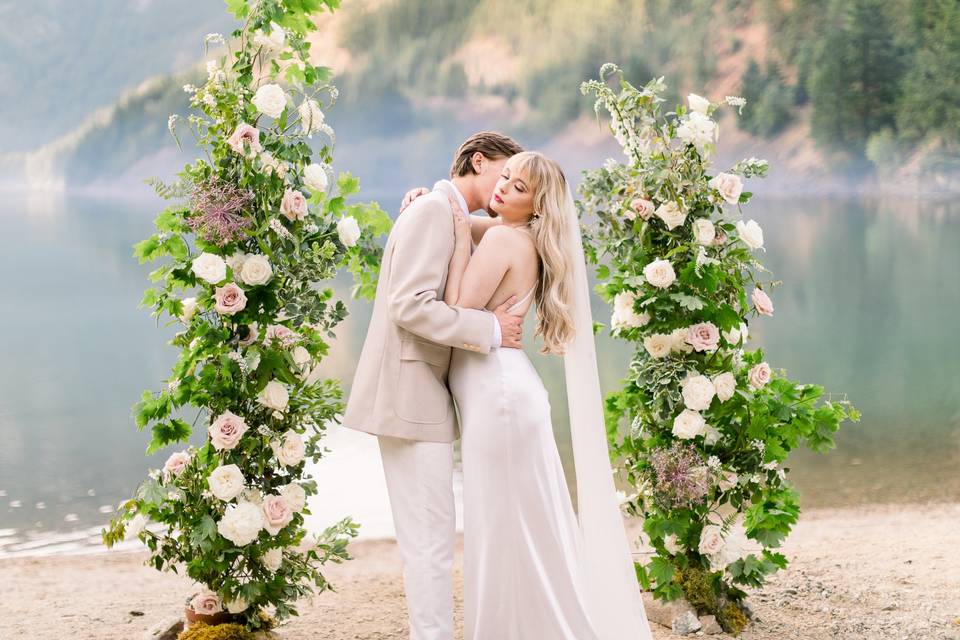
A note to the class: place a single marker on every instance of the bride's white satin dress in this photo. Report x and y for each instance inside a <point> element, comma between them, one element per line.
<point>521,541</point>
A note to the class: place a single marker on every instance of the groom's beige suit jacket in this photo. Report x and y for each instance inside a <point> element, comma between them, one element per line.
<point>400,386</point>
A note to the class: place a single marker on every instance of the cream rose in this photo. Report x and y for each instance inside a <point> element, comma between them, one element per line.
<point>315,177</point>
<point>725,384</point>
<point>703,336</point>
<point>290,450</point>
<point>271,42</point>
<point>272,165</point>
<point>272,559</point>
<point>189,309</point>
<point>698,103</point>
<point>711,540</point>
<point>226,482</point>
<point>704,233</point>
<point>348,230</point>
<point>751,233</point>
<point>229,299</point>
<point>671,214</point>
<point>226,431</point>
<point>241,523</point>
<point>295,495</point>
<point>206,603</point>
<point>624,317</point>
<point>256,270</point>
<point>729,185</point>
<point>658,345</point>
<point>759,375</point>
<point>209,267</point>
<point>660,274</point>
<point>274,396</point>
<point>689,424</point>
<point>176,463</point>
<point>678,338</point>
<point>237,606</point>
<point>698,392</point>
<point>303,359</point>
<point>235,262</point>
<point>245,134</point>
<point>728,480</point>
<point>671,544</point>
<point>761,302</point>
<point>270,100</point>
<point>640,207</point>
<point>697,129</point>
<point>735,335</point>
<point>294,206</point>
<point>311,117</point>
<point>711,435</point>
<point>276,513</point>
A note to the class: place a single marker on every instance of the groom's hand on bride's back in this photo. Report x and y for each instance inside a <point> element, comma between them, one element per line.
<point>511,326</point>
<point>412,195</point>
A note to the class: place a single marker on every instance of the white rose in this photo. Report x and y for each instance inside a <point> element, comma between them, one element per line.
<point>235,262</point>
<point>689,424</point>
<point>270,100</point>
<point>311,117</point>
<point>729,185</point>
<point>679,342</point>
<point>241,523</point>
<point>734,336</point>
<point>698,393</point>
<point>711,435</point>
<point>206,602</point>
<point>274,396</point>
<point>237,606</point>
<point>726,385</point>
<point>698,103</point>
<point>671,544</point>
<point>209,267</point>
<point>290,450</point>
<point>759,375</point>
<point>256,270</point>
<point>272,559</point>
<point>348,230</point>
<point>623,314</point>
<point>303,359</point>
<point>704,232</point>
<point>226,482</point>
<point>315,177</point>
<point>751,233</point>
<point>272,165</point>
<point>270,42</point>
<point>658,345</point>
<point>189,309</point>
<point>671,214</point>
<point>728,480</point>
<point>660,273</point>
<point>295,495</point>
<point>711,540</point>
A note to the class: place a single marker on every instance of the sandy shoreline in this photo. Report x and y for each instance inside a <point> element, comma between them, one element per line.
<point>867,573</point>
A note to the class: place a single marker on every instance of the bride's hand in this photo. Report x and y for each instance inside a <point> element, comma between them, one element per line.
<point>461,224</point>
<point>412,195</point>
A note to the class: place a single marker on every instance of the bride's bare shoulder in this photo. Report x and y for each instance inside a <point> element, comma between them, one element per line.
<point>505,234</point>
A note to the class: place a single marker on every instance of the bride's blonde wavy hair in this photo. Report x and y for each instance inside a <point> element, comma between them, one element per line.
<point>549,227</point>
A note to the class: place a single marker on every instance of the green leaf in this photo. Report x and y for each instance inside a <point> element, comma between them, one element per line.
<point>238,8</point>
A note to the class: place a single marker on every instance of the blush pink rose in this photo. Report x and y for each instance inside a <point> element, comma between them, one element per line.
<point>294,205</point>
<point>226,431</point>
<point>759,375</point>
<point>284,335</point>
<point>703,337</point>
<point>720,239</point>
<point>229,299</point>
<point>640,207</point>
<point>245,133</point>
<point>761,302</point>
<point>277,513</point>
<point>206,603</point>
<point>175,464</point>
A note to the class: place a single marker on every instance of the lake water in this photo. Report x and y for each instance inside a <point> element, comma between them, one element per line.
<point>868,307</point>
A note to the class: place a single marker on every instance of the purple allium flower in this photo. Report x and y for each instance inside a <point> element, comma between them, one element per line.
<point>219,211</point>
<point>680,477</point>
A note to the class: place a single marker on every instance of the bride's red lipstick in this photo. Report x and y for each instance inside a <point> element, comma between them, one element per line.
<point>498,199</point>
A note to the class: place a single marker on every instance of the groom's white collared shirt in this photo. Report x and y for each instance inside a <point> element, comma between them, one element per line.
<point>448,186</point>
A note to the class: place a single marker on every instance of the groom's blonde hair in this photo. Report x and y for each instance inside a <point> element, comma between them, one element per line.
<point>491,144</point>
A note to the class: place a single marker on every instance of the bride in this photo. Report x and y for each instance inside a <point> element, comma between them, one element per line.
<point>532,568</point>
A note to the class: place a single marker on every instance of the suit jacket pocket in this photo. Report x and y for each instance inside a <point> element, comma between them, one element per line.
<point>422,395</point>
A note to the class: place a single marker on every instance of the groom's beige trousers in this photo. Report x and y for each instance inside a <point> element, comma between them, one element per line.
<point>420,484</point>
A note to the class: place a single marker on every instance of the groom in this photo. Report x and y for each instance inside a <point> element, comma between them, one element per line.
<point>400,392</point>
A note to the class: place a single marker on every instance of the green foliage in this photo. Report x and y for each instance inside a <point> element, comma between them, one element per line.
<point>252,364</point>
<point>675,258</point>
